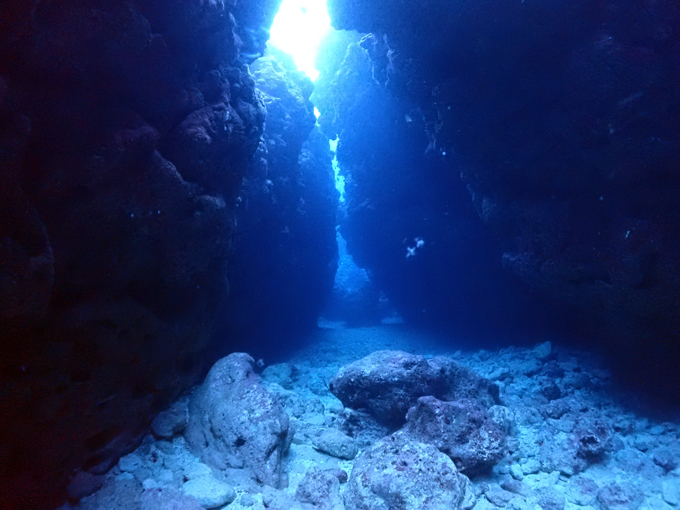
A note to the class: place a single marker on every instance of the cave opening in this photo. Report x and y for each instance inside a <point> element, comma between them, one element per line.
<point>298,30</point>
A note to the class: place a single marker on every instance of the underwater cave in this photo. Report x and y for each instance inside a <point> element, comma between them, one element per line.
<point>339,255</point>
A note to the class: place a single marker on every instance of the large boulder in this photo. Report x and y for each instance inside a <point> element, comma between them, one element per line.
<point>388,383</point>
<point>234,422</point>
<point>463,430</point>
<point>400,473</point>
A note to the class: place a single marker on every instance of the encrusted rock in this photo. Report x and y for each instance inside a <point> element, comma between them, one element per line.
<point>620,496</point>
<point>335,443</point>
<point>321,489</point>
<point>235,422</point>
<point>388,383</point>
<point>400,472</point>
<point>172,421</point>
<point>461,429</point>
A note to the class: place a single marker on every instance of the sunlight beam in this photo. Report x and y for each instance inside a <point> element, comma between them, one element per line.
<point>298,29</point>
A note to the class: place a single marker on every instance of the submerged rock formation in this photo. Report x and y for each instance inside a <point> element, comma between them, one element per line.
<point>285,253</point>
<point>562,120</point>
<point>126,129</point>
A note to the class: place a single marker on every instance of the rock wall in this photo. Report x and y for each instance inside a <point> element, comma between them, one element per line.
<point>126,129</point>
<point>284,254</point>
<point>410,220</point>
<point>561,118</point>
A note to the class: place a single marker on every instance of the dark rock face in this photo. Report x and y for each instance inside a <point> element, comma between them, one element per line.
<point>388,383</point>
<point>461,429</point>
<point>125,130</point>
<point>234,422</point>
<point>410,220</point>
<point>285,254</point>
<point>563,121</point>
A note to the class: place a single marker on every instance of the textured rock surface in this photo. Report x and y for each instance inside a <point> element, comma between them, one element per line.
<point>463,430</point>
<point>234,422</point>
<point>285,254</point>
<point>561,118</point>
<point>126,129</point>
<point>410,221</point>
<point>399,472</point>
<point>335,443</point>
<point>388,383</point>
<point>320,489</point>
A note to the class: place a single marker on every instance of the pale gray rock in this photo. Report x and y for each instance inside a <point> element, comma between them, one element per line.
<point>130,463</point>
<point>401,473</point>
<point>549,499</point>
<point>115,495</point>
<point>670,491</point>
<point>172,421</point>
<point>320,489</point>
<point>582,491</point>
<point>335,443</point>
<point>620,496</point>
<point>209,492</point>
<point>168,499</point>
<point>234,422</point>
<point>462,430</point>
<point>542,351</point>
<point>388,383</point>
<point>498,496</point>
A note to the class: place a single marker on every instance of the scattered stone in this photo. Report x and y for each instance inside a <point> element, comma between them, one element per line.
<point>114,495</point>
<point>542,351</point>
<point>666,458</point>
<point>281,374</point>
<point>549,499</point>
<point>582,491</point>
<point>593,438</point>
<point>210,492</point>
<point>335,443</point>
<point>504,418</point>
<point>400,472</point>
<point>172,421</point>
<point>168,499</point>
<point>620,496</point>
<point>462,430</point>
<point>670,491</point>
<point>498,496</point>
<point>469,497</point>
<point>320,489</point>
<point>516,472</point>
<point>246,500</point>
<point>556,409</point>
<point>550,390</point>
<point>531,466</point>
<point>645,442</point>
<point>517,487</point>
<point>552,370</point>
<point>130,463</point>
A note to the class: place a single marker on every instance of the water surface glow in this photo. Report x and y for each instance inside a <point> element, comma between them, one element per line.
<point>298,30</point>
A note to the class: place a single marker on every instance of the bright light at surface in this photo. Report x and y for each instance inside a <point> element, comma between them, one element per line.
<point>298,29</point>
